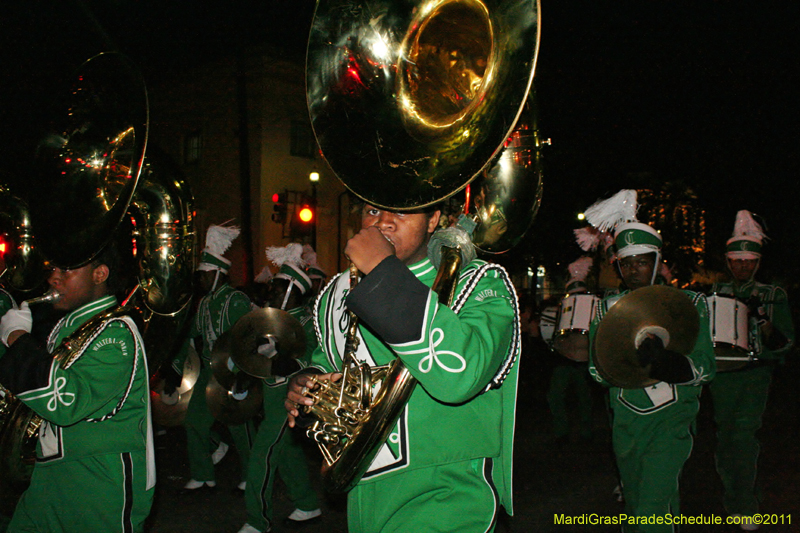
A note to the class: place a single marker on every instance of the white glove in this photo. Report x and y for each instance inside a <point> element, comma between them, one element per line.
<point>268,347</point>
<point>16,320</point>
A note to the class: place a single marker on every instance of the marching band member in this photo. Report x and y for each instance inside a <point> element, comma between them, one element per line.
<point>651,428</point>
<point>275,449</point>
<point>569,372</point>
<point>740,396</point>
<point>447,464</point>
<point>220,308</point>
<point>95,469</point>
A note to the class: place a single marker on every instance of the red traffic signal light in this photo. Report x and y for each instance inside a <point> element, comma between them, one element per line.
<point>279,207</point>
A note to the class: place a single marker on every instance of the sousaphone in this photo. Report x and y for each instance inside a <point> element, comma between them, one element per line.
<point>92,184</point>
<point>410,102</point>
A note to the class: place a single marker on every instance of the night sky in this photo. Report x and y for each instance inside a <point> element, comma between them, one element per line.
<point>632,93</point>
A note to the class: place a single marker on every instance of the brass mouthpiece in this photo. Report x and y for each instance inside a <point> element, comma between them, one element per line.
<point>50,296</point>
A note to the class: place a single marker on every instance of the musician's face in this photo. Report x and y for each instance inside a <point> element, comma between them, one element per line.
<point>78,286</point>
<point>743,269</point>
<point>637,270</point>
<point>408,232</point>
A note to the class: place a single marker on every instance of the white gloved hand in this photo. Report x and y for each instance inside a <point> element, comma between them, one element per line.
<point>268,347</point>
<point>16,320</point>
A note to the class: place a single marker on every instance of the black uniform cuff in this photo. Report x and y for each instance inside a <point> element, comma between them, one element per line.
<point>25,365</point>
<point>391,301</point>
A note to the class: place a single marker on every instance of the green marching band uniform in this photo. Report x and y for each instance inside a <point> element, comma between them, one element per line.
<point>217,312</point>
<point>96,437</point>
<point>740,396</point>
<point>652,427</point>
<point>447,464</point>
<point>276,449</point>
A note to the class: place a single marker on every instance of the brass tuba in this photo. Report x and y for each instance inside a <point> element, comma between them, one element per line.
<point>410,101</point>
<point>92,185</point>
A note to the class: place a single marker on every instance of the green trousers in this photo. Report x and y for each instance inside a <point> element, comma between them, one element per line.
<point>568,377</point>
<point>198,424</point>
<point>276,451</point>
<point>651,451</point>
<point>440,499</point>
<point>103,493</point>
<point>740,399</point>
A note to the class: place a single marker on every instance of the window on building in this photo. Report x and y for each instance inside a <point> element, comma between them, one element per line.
<point>193,147</point>
<point>303,142</point>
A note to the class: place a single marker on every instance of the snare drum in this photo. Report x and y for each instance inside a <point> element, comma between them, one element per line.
<point>571,338</point>
<point>730,326</point>
<point>547,323</point>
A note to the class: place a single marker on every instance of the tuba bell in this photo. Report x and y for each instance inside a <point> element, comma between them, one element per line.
<point>94,185</point>
<point>409,103</point>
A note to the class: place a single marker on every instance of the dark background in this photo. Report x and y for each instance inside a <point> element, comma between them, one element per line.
<point>633,94</point>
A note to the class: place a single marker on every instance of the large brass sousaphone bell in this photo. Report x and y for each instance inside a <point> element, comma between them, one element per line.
<point>662,311</point>
<point>410,101</point>
<point>92,185</point>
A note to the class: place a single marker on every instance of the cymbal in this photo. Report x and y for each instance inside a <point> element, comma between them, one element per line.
<point>278,328</point>
<point>171,415</point>
<point>227,409</point>
<point>654,308</point>
<point>221,361</point>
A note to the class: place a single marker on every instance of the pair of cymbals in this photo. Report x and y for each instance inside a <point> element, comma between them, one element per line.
<point>654,308</point>
<point>251,346</point>
<point>262,336</point>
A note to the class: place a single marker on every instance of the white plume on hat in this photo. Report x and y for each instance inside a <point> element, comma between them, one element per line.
<point>588,238</point>
<point>746,225</point>
<point>606,214</point>
<point>218,240</point>
<point>290,254</point>
<point>579,269</point>
<point>289,260</point>
<point>309,256</point>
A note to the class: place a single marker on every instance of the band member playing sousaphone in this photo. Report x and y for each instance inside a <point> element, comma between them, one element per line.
<point>447,464</point>
<point>740,396</point>
<point>95,468</point>
<point>651,424</point>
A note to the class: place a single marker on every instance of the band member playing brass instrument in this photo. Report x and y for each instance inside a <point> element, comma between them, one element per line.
<point>446,466</point>
<point>652,421</point>
<point>95,469</point>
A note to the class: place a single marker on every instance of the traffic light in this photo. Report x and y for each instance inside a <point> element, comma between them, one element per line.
<point>304,219</point>
<point>279,207</point>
